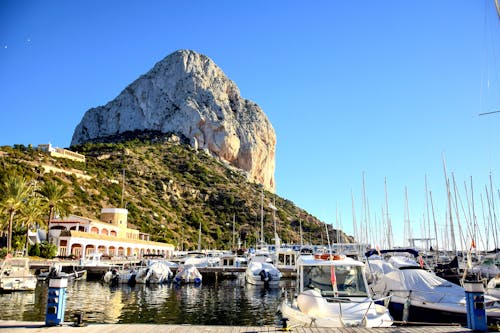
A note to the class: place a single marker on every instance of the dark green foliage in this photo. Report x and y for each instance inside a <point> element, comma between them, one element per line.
<point>34,250</point>
<point>169,190</point>
<point>48,250</point>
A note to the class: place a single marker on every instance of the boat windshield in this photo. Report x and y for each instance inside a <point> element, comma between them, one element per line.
<point>347,279</point>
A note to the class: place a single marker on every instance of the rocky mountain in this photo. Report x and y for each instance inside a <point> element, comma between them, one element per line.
<point>188,94</point>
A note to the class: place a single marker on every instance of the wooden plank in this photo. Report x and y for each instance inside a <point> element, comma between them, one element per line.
<point>39,327</point>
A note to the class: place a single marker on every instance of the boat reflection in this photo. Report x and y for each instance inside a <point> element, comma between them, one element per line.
<point>227,302</point>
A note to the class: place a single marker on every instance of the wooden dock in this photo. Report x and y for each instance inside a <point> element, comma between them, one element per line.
<point>35,327</point>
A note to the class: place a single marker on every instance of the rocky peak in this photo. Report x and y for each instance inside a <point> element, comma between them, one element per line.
<point>188,94</point>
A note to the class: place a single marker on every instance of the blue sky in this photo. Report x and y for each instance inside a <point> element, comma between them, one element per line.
<point>384,89</point>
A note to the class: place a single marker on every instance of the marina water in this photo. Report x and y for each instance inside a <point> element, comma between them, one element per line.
<point>226,302</point>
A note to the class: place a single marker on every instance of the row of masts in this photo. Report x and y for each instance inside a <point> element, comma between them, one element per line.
<point>462,228</point>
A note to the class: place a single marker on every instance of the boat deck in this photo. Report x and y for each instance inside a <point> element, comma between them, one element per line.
<point>34,327</point>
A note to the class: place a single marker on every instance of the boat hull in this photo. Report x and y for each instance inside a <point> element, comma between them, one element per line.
<point>17,284</point>
<point>377,317</point>
<point>435,314</point>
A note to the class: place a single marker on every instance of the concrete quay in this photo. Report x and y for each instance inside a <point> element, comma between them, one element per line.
<point>35,327</point>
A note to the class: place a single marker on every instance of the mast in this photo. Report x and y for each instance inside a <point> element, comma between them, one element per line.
<point>389,225</point>
<point>123,186</point>
<point>301,239</point>
<point>261,217</point>
<point>337,223</point>
<point>494,220</point>
<point>354,226</point>
<point>234,218</point>
<point>435,226</point>
<point>449,214</point>
<point>365,220</point>
<point>407,218</point>
<point>199,238</point>
<point>427,209</point>
<point>460,231</point>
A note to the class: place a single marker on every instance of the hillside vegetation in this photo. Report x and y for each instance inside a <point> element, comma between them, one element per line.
<point>169,190</point>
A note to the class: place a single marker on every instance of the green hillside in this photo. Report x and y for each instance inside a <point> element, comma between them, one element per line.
<point>169,189</point>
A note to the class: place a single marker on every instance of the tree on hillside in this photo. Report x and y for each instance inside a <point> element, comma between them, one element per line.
<point>55,199</point>
<point>15,191</point>
<point>32,214</point>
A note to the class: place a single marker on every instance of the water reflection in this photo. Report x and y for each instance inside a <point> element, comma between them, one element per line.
<point>228,302</point>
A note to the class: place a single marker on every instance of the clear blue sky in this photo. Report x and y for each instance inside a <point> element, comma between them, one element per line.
<point>384,88</point>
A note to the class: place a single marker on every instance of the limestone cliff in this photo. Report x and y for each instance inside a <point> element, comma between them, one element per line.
<point>188,94</point>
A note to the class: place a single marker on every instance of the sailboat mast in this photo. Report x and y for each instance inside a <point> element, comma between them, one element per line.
<point>199,238</point>
<point>427,209</point>
<point>389,226</point>
<point>354,226</point>
<point>301,238</point>
<point>407,218</point>
<point>261,217</point>
<point>123,186</point>
<point>274,221</point>
<point>494,221</point>
<point>450,215</point>
<point>364,220</point>
<point>234,233</point>
<point>435,226</point>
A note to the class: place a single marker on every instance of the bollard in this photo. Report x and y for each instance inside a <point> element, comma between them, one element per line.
<point>56,301</point>
<point>78,319</point>
<point>476,312</point>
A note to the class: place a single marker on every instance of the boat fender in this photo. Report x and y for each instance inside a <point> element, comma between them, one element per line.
<point>107,277</point>
<point>132,280</point>
<point>312,304</point>
<point>264,276</point>
<point>115,280</point>
<point>197,280</point>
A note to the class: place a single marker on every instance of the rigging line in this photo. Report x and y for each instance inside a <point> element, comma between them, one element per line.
<point>485,113</point>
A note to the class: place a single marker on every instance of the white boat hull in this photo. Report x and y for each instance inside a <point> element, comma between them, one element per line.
<point>15,275</point>
<point>188,274</point>
<point>18,283</point>
<point>310,309</point>
<point>261,274</point>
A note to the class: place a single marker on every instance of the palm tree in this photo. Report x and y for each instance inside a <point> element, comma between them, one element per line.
<point>32,214</point>
<point>16,190</point>
<point>55,198</point>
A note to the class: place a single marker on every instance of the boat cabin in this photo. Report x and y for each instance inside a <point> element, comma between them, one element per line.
<point>332,276</point>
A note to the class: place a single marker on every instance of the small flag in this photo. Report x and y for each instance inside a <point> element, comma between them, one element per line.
<point>333,278</point>
<point>473,244</point>
<point>421,261</point>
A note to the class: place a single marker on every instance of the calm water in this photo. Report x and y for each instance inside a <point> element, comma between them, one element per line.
<point>228,302</point>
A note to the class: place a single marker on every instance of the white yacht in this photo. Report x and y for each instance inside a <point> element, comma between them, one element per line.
<point>188,274</point>
<point>417,294</point>
<point>261,271</point>
<point>15,275</point>
<point>333,292</point>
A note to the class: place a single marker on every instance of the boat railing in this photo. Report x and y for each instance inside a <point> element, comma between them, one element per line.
<point>363,320</point>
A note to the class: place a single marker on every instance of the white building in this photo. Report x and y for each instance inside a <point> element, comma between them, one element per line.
<point>61,152</point>
<point>80,237</point>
